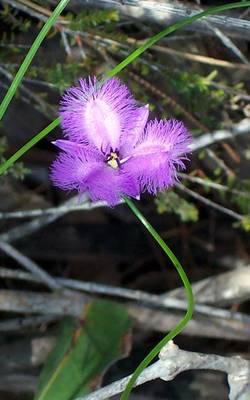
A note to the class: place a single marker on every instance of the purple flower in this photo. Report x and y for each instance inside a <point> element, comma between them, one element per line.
<point>111,150</point>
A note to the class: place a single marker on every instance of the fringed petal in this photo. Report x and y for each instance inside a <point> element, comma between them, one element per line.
<point>98,113</point>
<point>79,149</point>
<point>84,172</point>
<point>130,138</point>
<point>110,185</point>
<point>72,171</point>
<point>158,155</point>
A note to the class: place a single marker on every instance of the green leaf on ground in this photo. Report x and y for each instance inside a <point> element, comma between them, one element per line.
<point>83,351</point>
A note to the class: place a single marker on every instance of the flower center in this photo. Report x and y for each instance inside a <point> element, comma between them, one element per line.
<point>113,160</point>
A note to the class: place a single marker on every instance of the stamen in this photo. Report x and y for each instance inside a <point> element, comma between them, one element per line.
<point>113,160</point>
<point>125,159</point>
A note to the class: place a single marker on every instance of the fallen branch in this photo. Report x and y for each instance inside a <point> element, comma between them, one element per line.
<point>172,361</point>
<point>166,12</point>
<point>223,289</point>
<point>73,303</point>
<point>59,304</point>
<point>140,297</point>
<point>199,326</point>
<point>160,12</point>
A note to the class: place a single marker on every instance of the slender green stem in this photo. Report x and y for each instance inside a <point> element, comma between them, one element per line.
<point>29,57</point>
<point>190,307</point>
<point>133,56</point>
<point>28,145</point>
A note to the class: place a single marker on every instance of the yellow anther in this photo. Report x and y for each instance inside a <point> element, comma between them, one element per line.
<point>113,160</point>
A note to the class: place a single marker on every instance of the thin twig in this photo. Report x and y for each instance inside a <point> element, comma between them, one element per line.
<point>21,97</point>
<point>213,185</point>
<point>30,265</point>
<point>231,90</point>
<point>41,106</point>
<point>66,43</point>
<point>14,46</point>
<point>33,226</point>
<point>241,128</point>
<point>86,206</point>
<point>229,44</point>
<point>38,8</point>
<point>26,9</point>
<point>138,296</point>
<point>200,58</point>
<point>40,82</point>
<point>17,324</point>
<point>210,203</point>
<point>221,163</point>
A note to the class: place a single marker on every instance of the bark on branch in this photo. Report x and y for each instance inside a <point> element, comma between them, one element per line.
<point>166,12</point>
<point>172,361</point>
<point>73,303</point>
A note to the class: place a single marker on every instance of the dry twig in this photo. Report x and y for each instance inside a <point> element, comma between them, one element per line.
<point>167,12</point>
<point>143,298</point>
<point>234,326</point>
<point>30,265</point>
<point>172,361</point>
<point>210,203</point>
